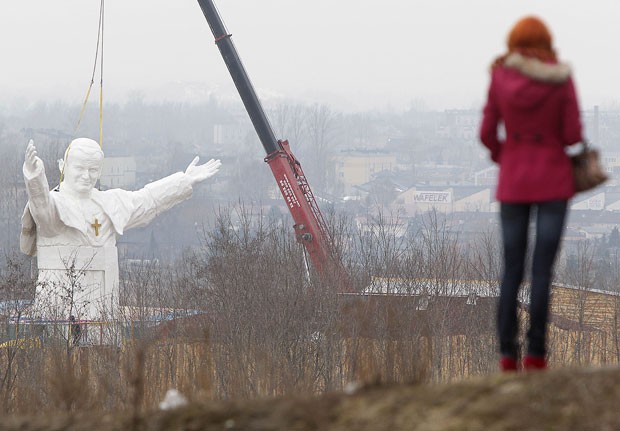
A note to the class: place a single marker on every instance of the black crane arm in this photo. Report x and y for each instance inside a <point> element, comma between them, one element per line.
<point>240,77</point>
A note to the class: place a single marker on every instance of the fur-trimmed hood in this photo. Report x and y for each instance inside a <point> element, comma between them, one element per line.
<point>533,68</point>
<point>526,82</point>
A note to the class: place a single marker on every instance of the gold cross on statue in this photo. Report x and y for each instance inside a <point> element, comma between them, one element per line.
<point>96,225</point>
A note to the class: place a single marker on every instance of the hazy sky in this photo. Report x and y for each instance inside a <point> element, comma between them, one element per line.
<point>352,54</point>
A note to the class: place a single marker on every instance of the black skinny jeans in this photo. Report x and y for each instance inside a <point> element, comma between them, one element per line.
<point>515,220</point>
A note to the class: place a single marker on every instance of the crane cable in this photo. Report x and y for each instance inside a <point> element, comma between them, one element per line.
<point>92,81</point>
<point>92,78</point>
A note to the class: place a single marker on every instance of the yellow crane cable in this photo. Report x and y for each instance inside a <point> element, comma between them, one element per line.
<point>101,15</point>
<point>90,86</point>
<point>101,116</point>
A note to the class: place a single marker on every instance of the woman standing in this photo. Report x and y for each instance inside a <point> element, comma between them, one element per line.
<point>532,95</point>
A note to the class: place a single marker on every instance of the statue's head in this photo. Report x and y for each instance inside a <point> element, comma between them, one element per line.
<point>81,167</point>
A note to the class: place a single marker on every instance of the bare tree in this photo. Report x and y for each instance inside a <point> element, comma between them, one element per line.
<point>16,292</point>
<point>321,129</point>
<point>486,258</point>
<point>290,122</point>
<point>577,271</point>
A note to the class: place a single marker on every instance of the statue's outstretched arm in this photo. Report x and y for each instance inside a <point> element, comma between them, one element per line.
<point>197,173</point>
<point>32,162</point>
<point>40,205</point>
<point>161,195</point>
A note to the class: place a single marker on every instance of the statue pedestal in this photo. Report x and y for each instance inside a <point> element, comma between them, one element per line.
<point>81,281</point>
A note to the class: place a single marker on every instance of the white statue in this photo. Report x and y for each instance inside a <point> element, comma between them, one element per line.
<point>73,230</point>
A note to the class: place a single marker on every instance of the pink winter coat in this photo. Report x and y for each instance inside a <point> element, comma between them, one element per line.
<point>537,104</point>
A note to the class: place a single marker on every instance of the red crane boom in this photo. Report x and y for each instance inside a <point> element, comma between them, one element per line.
<point>310,227</point>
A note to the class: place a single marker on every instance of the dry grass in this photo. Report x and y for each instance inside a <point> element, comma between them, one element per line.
<point>582,399</point>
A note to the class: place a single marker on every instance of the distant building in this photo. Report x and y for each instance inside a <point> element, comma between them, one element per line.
<point>611,162</point>
<point>612,201</point>
<point>486,177</point>
<point>118,172</point>
<point>459,124</point>
<point>472,199</point>
<point>446,199</point>
<point>434,174</point>
<point>594,201</point>
<point>586,318</point>
<point>583,320</point>
<point>354,168</point>
<point>229,134</point>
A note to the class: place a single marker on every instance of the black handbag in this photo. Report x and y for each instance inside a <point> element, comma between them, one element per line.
<point>587,169</point>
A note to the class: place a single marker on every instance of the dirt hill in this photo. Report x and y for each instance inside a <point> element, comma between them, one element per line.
<point>567,399</point>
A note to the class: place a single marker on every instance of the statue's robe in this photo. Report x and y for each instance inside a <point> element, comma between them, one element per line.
<point>63,236</point>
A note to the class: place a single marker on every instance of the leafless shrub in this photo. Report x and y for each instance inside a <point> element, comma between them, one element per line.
<point>242,317</point>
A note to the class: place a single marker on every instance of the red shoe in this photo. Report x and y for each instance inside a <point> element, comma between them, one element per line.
<point>531,363</point>
<point>507,364</point>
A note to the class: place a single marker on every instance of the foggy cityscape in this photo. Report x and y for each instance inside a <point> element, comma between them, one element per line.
<point>381,105</point>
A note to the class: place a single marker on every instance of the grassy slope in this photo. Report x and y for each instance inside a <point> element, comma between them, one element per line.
<point>567,399</point>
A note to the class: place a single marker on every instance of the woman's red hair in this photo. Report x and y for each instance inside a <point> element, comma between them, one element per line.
<point>530,37</point>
